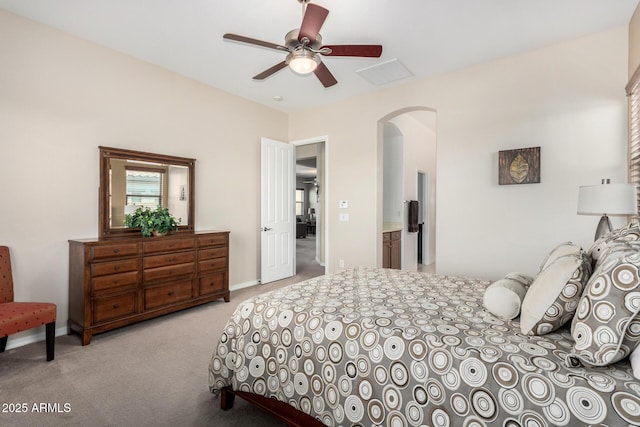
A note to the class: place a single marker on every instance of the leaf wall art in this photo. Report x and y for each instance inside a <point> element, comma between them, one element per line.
<point>519,166</point>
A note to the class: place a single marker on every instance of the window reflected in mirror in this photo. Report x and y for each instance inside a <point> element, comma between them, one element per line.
<point>135,179</point>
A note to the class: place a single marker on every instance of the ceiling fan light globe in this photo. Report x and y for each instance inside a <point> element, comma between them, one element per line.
<point>303,65</point>
<point>303,62</point>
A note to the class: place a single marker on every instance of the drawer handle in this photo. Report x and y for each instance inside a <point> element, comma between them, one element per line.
<point>115,282</point>
<point>170,293</point>
<point>116,250</point>
<point>116,268</point>
<point>116,306</point>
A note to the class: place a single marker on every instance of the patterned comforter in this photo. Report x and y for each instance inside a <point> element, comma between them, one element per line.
<point>387,347</point>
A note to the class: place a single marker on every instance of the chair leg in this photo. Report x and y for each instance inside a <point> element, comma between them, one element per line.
<point>50,331</point>
<point>3,343</point>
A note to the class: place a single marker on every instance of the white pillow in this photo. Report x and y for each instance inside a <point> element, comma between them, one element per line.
<point>566,248</point>
<point>634,358</point>
<point>554,295</point>
<point>504,297</point>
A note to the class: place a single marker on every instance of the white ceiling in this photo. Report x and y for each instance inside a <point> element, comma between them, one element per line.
<point>427,36</point>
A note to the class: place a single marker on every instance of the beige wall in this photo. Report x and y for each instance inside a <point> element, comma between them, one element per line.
<point>567,98</point>
<point>61,98</point>
<point>634,41</point>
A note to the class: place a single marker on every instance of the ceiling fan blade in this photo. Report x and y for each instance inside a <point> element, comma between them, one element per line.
<point>312,21</point>
<point>362,50</point>
<point>324,75</point>
<point>266,73</point>
<point>249,40</point>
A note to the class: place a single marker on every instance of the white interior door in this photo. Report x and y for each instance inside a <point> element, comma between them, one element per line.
<point>278,239</point>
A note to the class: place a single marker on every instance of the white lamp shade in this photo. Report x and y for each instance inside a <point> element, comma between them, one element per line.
<point>609,199</point>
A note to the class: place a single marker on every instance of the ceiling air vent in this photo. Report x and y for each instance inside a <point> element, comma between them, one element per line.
<point>384,73</point>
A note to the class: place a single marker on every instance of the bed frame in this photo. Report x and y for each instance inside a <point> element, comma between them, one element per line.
<point>283,411</point>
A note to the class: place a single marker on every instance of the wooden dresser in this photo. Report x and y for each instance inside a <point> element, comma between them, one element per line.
<point>120,281</point>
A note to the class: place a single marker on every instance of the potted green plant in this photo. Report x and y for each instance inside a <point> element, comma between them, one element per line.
<point>157,222</point>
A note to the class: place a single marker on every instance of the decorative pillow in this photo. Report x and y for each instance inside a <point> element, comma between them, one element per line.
<point>634,358</point>
<point>566,248</point>
<point>504,297</point>
<point>553,296</point>
<point>629,233</point>
<point>599,246</point>
<point>606,327</point>
<point>616,249</point>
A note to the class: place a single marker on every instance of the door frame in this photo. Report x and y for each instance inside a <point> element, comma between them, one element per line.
<point>324,192</point>
<point>425,214</point>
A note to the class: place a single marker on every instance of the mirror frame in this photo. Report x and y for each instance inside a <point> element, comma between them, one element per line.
<point>108,153</point>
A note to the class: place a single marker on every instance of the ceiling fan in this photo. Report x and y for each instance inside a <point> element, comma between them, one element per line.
<point>304,47</point>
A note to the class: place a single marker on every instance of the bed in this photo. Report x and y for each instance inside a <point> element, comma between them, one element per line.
<point>369,346</point>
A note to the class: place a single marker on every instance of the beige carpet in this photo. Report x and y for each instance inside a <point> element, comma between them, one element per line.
<point>154,373</point>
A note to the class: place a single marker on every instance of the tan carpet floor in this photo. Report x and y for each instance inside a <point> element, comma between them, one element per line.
<point>154,373</point>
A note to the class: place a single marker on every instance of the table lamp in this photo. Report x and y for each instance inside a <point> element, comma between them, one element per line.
<point>607,199</point>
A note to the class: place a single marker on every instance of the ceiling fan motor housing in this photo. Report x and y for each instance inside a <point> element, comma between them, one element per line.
<point>291,41</point>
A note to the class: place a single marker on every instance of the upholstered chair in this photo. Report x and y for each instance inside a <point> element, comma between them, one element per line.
<point>21,316</point>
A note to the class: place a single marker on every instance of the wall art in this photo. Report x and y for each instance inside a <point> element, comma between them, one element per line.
<point>519,166</point>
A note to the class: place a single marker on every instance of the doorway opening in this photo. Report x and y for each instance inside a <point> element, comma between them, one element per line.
<point>407,158</point>
<point>310,224</point>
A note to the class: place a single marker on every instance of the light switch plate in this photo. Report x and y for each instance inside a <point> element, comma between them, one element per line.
<point>344,204</point>
<point>344,217</point>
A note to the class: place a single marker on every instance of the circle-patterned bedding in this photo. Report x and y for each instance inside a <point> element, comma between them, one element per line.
<point>371,346</point>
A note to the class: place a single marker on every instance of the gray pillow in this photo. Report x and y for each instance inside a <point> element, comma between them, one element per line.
<point>606,327</point>
<point>629,233</point>
<point>553,297</point>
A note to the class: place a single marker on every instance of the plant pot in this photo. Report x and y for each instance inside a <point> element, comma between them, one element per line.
<point>157,233</point>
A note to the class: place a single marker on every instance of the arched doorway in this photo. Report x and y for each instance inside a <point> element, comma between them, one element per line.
<point>407,161</point>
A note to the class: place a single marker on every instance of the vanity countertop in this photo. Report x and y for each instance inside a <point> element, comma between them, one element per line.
<point>391,226</point>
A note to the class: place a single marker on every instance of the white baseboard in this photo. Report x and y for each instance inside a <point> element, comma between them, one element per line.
<point>239,286</point>
<point>31,338</point>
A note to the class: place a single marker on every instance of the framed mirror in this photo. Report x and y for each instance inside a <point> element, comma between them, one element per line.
<point>132,179</point>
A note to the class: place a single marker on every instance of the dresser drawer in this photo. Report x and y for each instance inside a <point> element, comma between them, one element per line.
<point>114,267</point>
<point>114,281</point>
<point>114,250</point>
<point>211,283</point>
<point>213,240</point>
<point>160,296</point>
<point>214,264</point>
<point>168,259</point>
<point>114,307</point>
<point>169,271</point>
<point>168,245</point>
<point>212,253</point>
